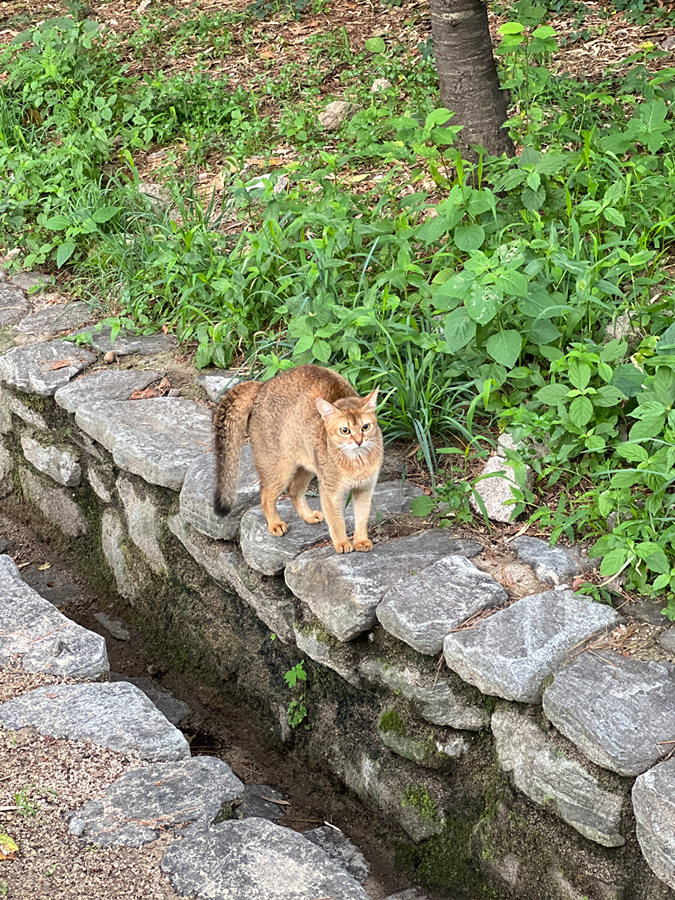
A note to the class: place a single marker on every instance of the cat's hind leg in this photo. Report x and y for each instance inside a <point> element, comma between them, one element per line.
<point>296,491</point>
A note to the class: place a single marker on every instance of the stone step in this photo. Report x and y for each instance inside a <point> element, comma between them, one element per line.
<point>117,716</point>
<point>344,590</point>
<point>114,385</point>
<point>263,860</point>
<point>142,804</point>
<point>421,610</point>
<point>156,439</point>
<point>44,639</point>
<point>51,320</point>
<point>175,710</point>
<point>270,554</point>
<point>512,652</point>
<point>654,807</point>
<point>127,343</point>
<point>552,565</point>
<point>619,712</point>
<point>43,368</point>
<point>14,305</point>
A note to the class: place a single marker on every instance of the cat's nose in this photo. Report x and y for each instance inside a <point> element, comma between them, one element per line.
<point>359,439</point>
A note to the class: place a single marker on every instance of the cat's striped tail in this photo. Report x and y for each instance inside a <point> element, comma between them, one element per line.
<point>230,422</point>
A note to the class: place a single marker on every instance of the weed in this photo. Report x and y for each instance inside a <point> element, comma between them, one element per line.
<point>296,677</point>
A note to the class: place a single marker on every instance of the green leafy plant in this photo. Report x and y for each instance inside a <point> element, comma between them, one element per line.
<point>296,678</point>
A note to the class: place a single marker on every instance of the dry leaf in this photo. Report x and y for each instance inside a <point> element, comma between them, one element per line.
<point>165,329</point>
<point>44,566</point>
<point>64,363</point>
<point>157,390</point>
<point>8,848</point>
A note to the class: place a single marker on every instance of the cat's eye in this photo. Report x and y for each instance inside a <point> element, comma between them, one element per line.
<point>366,426</point>
<point>344,430</point>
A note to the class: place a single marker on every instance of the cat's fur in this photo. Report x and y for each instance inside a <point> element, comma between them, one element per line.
<point>294,423</point>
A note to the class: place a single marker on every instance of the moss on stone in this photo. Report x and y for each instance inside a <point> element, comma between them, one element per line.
<point>390,720</point>
<point>418,797</point>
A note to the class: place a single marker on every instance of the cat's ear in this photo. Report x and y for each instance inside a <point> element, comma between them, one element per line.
<point>370,402</point>
<point>325,408</point>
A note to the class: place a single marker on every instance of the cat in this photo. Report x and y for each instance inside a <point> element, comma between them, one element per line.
<point>305,421</point>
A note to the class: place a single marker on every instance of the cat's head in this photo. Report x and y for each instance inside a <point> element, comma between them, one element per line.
<point>351,424</point>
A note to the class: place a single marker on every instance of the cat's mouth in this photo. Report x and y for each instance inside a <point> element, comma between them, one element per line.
<point>355,449</point>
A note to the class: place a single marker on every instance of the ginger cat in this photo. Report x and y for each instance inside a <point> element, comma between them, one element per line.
<point>303,422</point>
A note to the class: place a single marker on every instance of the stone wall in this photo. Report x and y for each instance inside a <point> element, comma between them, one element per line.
<point>517,762</point>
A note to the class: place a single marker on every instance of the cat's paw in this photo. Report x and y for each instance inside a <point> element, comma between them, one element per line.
<point>314,517</point>
<point>363,545</point>
<point>278,528</point>
<point>343,546</point>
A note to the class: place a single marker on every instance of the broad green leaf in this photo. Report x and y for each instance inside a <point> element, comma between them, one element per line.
<point>421,506</point>
<point>579,374</point>
<point>438,116</point>
<point>666,344</point>
<point>533,200</point>
<point>512,283</point>
<point>653,555</point>
<point>647,428</point>
<point>482,303</point>
<point>504,347</point>
<point>104,214</point>
<point>628,379</point>
<point>375,45</point>
<point>305,343</point>
<point>661,581</point>
<point>581,411</point>
<point>613,562</point>
<point>460,329</point>
<point>433,228</point>
<point>541,331</point>
<point>57,223</point>
<point>595,443</point>
<point>64,253</point>
<point>607,396</point>
<point>614,216</point>
<point>469,237</point>
<point>632,452</point>
<point>543,32</point>
<point>551,163</point>
<point>605,371</point>
<point>321,351</point>
<point>626,479</point>
<point>511,28</point>
<point>664,385</point>
<point>552,394</point>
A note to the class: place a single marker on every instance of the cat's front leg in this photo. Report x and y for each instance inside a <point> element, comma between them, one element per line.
<point>333,511</point>
<point>361,498</point>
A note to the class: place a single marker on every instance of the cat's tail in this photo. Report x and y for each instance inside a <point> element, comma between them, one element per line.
<point>230,422</point>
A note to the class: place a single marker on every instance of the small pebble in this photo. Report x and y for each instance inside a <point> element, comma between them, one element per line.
<point>174,392</point>
<point>109,357</point>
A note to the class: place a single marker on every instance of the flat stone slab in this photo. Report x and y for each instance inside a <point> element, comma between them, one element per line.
<point>337,846</point>
<point>126,344</point>
<point>263,860</point>
<point>14,305</point>
<point>45,639</point>
<point>431,694</point>
<point>344,590</point>
<point>217,385</point>
<point>654,807</point>
<point>156,439</point>
<point>545,775</point>
<point>114,627</point>
<point>60,463</point>
<point>667,639</point>
<point>270,598</point>
<point>269,554</point>
<point>258,801</point>
<point>29,280</point>
<point>175,710</point>
<point>196,496</point>
<point>511,653</point>
<point>43,368</point>
<point>421,610</point>
<point>52,320</point>
<point>619,712</point>
<point>114,385</point>
<point>117,716</point>
<point>55,503</point>
<point>143,803</point>
<point>552,565</point>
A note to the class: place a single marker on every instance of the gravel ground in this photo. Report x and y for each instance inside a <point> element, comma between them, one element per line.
<point>41,778</point>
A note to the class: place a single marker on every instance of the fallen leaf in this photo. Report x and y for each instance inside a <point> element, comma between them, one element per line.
<point>156,390</point>
<point>51,696</point>
<point>165,329</point>
<point>44,566</point>
<point>8,849</point>
<point>63,363</point>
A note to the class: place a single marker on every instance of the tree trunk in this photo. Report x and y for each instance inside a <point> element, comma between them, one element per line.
<point>468,75</point>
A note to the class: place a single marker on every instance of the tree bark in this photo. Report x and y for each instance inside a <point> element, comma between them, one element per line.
<point>468,75</point>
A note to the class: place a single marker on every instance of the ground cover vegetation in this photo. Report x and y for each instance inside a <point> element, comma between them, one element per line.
<point>532,293</point>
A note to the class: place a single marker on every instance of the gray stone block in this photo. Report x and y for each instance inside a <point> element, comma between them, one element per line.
<point>61,464</point>
<point>654,807</point>
<point>143,523</point>
<point>432,695</point>
<point>20,409</point>
<point>269,554</point>
<point>14,305</point>
<point>196,496</point>
<point>27,281</point>
<point>511,653</point>
<point>258,801</point>
<point>128,579</point>
<point>6,425</point>
<point>269,598</point>
<point>263,860</point>
<point>619,712</point>
<point>667,639</point>
<point>40,369</point>
<point>126,343</point>
<point>112,385</point>
<point>344,590</point>
<point>217,385</point>
<point>545,775</point>
<point>54,503</point>
<point>114,627</point>
<point>552,565</point>
<point>156,439</point>
<point>142,804</point>
<point>6,470</point>
<point>52,320</point>
<point>175,710</point>
<point>337,846</point>
<point>46,641</point>
<point>421,610</point>
<point>117,716</point>
<point>327,651</point>
<point>496,491</point>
